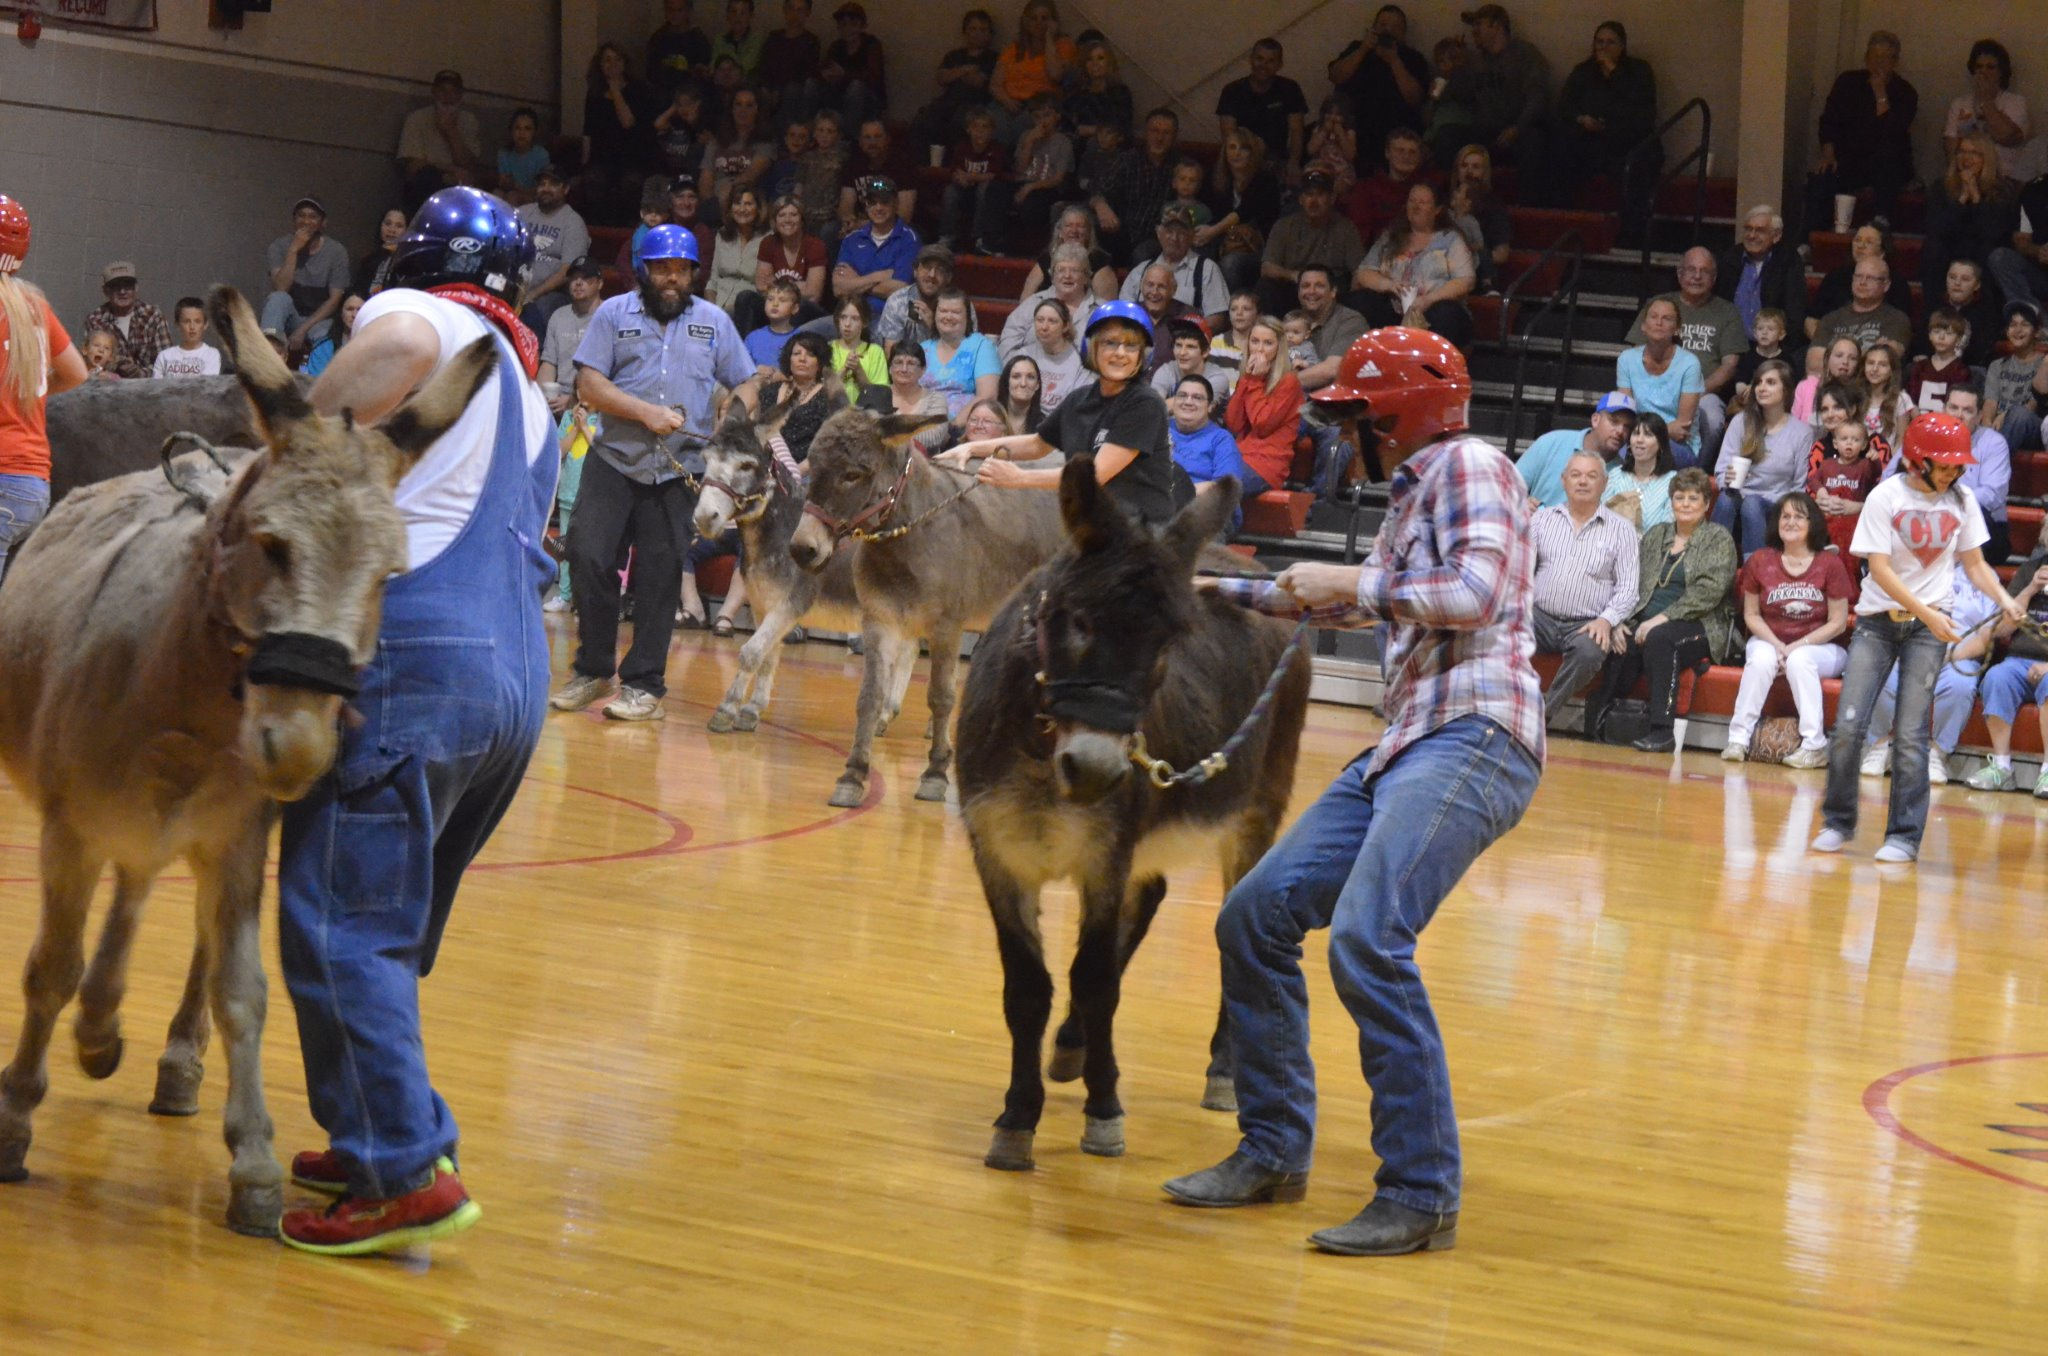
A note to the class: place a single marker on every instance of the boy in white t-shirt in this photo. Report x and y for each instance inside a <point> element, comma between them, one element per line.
<point>193,357</point>
<point>1914,529</point>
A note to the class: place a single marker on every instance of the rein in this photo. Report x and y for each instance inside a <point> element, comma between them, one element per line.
<point>783,474</point>
<point>866,526</point>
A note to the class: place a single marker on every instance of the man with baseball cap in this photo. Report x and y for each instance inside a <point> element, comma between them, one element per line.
<point>1542,465</point>
<point>440,144</point>
<point>1197,280</point>
<point>1314,233</point>
<point>565,332</point>
<point>309,275</point>
<point>878,259</point>
<point>559,236</point>
<point>139,329</point>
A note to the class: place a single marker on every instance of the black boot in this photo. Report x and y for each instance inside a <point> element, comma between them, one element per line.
<point>1237,1180</point>
<point>1384,1229</point>
<point>1656,739</point>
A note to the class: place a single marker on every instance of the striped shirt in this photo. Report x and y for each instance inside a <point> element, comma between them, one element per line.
<point>1585,572</point>
<point>1451,570</point>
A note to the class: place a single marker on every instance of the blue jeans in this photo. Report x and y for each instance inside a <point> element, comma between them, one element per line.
<point>23,502</point>
<point>281,313</point>
<point>2006,688</point>
<point>1371,860</point>
<point>1955,692</point>
<point>1878,644</point>
<point>1746,515</point>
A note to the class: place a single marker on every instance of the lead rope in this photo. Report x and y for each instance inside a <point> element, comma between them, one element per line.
<point>893,533</point>
<point>1161,772</point>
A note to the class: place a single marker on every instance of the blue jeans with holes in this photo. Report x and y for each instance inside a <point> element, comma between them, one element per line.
<point>1878,644</point>
<point>1371,860</point>
<point>23,502</point>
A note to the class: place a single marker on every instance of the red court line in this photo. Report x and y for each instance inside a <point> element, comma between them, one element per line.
<point>1877,1102</point>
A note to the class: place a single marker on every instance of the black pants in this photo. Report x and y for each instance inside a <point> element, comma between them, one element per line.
<point>1883,173</point>
<point>1448,318</point>
<point>613,512</point>
<point>1671,649</point>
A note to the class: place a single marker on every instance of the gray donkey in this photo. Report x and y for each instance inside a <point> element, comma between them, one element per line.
<point>746,486</point>
<point>1105,656</point>
<point>178,648</point>
<point>936,558</point>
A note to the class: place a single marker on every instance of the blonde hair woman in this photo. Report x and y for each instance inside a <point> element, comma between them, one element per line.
<point>29,373</point>
<point>1265,406</point>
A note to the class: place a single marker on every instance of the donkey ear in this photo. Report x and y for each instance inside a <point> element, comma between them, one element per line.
<point>1093,519</point>
<point>1202,521</point>
<point>414,426</point>
<point>272,390</point>
<point>898,429</point>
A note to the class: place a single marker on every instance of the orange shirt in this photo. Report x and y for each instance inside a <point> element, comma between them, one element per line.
<point>24,448</point>
<point>1023,77</point>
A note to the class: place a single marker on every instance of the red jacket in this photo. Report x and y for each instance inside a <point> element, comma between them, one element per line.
<point>1264,424</point>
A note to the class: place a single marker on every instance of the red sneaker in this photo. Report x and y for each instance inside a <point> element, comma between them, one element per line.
<point>321,1170</point>
<point>352,1225</point>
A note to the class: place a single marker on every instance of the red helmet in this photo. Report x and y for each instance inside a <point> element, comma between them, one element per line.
<point>1415,378</point>
<point>13,234</point>
<point>1936,439</point>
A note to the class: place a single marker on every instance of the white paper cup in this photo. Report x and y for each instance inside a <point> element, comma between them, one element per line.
<point>1845,212</point>
<point>938,156</point>
<point>1738,471</point>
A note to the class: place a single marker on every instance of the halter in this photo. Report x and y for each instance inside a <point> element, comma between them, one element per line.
<point>865,526</point>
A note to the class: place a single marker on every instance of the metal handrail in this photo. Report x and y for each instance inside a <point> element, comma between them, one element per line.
<point>1697,157</point>
<point>1568,291</point>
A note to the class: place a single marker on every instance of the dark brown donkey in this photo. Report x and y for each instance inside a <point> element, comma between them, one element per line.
<point>178,645</point>
<point>1106,653</point>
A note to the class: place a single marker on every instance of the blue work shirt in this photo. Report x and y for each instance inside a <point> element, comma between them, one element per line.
<point>898,254</point>
<point>1210,453</point>
<point>681,366</point>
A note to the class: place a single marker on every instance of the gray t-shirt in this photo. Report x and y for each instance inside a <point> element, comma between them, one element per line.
<point>559,237</point>
<point>1294,243</point>
<point>565,332</point>
<point>2006,382</point>
<point>1710,332</point>
<point>1865,327</point>
<point>1334,336</point>
<point>322,270</point>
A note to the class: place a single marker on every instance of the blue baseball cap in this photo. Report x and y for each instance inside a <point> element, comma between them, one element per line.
<point>1615,400</point>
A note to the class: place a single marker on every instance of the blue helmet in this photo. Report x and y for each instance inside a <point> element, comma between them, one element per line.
<point>667,242</point>
<point>464,235</point>
<point>1129,311</point>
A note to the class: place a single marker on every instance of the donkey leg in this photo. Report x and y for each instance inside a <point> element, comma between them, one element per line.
<point>1070,1044</point>
<point>97,1029</point>
<point>940,695</point>
<point>55,962</point>
<point>234,885</point>
<point>768,636</point>
<point>876,650</point>
<point>1096,978</point>
<point>179,1070</point>
<point>1027,1005</point>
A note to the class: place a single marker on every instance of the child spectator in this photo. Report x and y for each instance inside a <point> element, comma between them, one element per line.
<point>852,75</point>
<point>2007,379</point>
<point>1295,328</point>
<point>1102,162</point>
<point>193,357</point>
<point>656,195</point>
<point>1333,145</point>
<point>1886,409</point>
<point>1202,448</point>
<point>1187,193</point>
<point>679,134</point>
<point>101,349</point>
<point>780,178</point>
<point>822,171</point>
<point>962,79</point>
<point>575,431</point>
<point>766,343</point>
<point>974,191</point>
<point>1191,359</point>
<point>859,362</point>
<point>1843,480</point>
<point>1045,164</point>
<point>1928,381</point>
<point>1767,343</point>
<point>521,159</point>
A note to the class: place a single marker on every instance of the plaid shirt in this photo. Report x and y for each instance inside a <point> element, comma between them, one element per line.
<point>1453,571</point>
<point>148,334</point>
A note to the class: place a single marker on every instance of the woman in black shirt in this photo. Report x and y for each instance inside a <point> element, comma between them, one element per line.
<point>1117,419</point>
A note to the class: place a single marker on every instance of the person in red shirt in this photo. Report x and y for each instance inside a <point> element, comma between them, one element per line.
<point>1265,408</point>
<point>1843,480</point>
<point>1795,601</point>
<point>1375,203</point>
<point>37,358</point>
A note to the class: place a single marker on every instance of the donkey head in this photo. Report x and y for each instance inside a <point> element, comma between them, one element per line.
<point>1110,607</point>
<point>856,461</point>
<point>305,541</point>
<point>738,470</point>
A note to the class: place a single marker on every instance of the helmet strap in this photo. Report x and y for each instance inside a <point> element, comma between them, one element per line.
<point>524,342</point>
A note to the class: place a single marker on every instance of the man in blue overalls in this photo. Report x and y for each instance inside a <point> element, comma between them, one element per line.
<point>451,708</point>
<point>650,363</point>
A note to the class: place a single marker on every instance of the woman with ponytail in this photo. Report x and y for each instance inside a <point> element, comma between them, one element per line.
<point>36,358</point>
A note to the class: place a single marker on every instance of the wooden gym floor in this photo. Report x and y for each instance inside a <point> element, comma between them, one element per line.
<point>726,1060</point>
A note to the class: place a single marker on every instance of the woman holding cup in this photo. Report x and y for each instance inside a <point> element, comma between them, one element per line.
<point>1763,456</point>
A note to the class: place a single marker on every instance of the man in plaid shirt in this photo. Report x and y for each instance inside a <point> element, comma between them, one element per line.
<point>1452,572</point>
<point>139,329</point>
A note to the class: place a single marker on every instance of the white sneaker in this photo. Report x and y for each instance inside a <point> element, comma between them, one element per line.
<point>1809,758</point>
<point>1828,840</point>
<point>634,703</point>
<point>579,692</point>
<point>1937,768</point>
<point>1877,759</point>
<point>555,603</point>
<point>1896,853</point>
<point>1734,751</point>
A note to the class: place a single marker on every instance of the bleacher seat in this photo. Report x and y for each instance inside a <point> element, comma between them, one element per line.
<point>2030,475</point>
<point>2026,528</point>
<point>1277,513</point>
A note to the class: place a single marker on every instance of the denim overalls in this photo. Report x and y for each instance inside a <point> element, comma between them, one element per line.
<point>452,705</point>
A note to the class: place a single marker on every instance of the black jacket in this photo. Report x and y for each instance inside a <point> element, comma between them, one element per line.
<point>1783,284</point>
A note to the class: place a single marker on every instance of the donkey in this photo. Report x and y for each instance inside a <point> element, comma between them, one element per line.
<point>1106,646</point>
<point>102,429</point>
<point>935,559</point>
<point>178,648</point>
<point>747,486</point>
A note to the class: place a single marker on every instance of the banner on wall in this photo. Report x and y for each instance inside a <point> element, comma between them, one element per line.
<point>130,14</point>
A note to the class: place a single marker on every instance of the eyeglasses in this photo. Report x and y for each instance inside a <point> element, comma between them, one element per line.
<point>1109,344</point>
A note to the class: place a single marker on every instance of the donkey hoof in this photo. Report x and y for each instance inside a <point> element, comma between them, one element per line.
<point>848,795</point>
<point>14,1142</point>
<point>177,1088</point>
<point>721,722</point>
<point>747,721</point>
<point>1065,1064</point>
<point>1220,1094</point>
<point>1010,1151</point>
<point>255,1210</point>
<point>931,786</point>
<point>100,1061</point>
<point>1103,1136</point>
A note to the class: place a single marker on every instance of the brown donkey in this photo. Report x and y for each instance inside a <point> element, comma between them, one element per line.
<point>178,648</point>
